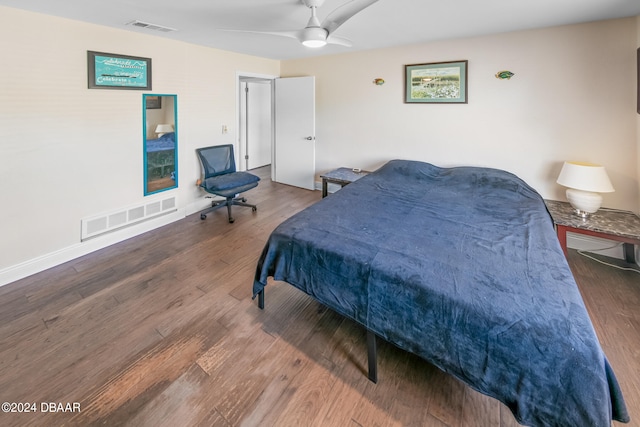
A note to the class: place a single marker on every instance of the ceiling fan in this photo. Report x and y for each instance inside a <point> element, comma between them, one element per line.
<point>317,34</point>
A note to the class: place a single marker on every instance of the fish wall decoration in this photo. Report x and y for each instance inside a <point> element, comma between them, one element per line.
<point>502,75</point>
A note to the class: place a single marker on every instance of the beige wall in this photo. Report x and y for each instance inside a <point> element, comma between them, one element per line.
<point>69,152</point>
<point>571,98</point>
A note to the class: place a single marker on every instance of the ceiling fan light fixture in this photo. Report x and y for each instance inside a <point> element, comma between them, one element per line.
<point>314,43</point>
<point>314,37</point>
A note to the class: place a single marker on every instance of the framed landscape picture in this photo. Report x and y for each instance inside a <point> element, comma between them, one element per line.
<point>112,71</point>
<point>436,83</point>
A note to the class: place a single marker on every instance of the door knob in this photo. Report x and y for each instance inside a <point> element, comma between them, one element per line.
<point>310,138</point>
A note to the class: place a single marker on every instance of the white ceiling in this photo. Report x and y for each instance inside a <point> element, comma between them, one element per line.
<point>384,24</point>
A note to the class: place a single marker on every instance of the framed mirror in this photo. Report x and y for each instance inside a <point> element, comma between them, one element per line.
<point>160,141</point>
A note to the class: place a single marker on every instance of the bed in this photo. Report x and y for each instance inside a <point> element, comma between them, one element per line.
<point>161,155</point>
<point>462,267</point>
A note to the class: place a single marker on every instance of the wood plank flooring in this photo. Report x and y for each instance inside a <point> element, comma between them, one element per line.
<point>160,330</point>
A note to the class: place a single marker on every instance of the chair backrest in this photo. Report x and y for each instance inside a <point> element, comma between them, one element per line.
<point>216,160</point>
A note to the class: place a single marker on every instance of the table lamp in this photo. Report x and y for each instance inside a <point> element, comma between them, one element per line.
<point>584,182</point>
<point>163,128</point>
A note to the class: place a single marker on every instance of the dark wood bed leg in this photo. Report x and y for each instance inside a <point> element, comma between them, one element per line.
<point>373,356</point>
<point>261,299</point>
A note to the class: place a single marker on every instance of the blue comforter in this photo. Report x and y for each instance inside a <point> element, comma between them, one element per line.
<point>165,142</point>
<point>462,267</point>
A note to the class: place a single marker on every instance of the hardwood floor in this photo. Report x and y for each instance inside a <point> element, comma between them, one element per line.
<point>160,330</point>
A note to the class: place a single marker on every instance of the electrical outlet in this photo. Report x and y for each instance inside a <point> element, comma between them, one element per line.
<point>225,130</point>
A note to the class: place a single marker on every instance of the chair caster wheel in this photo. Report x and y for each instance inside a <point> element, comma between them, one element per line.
<point>203,217</point>
<point>244,200</point>
<point>254,208</point>
<point>231,220</point>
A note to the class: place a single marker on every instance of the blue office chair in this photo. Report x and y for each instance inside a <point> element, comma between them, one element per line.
<point>219,177</point>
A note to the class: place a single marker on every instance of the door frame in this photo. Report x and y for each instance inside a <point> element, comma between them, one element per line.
<point>240,75</point>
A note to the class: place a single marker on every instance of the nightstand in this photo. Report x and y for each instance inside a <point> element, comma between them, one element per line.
<point>618,225</point>
<point>341,176</point>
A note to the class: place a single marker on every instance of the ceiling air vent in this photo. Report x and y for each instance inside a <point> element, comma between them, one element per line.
<point>149,26</point>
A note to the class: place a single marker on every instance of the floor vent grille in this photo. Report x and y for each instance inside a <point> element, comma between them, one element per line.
<point>111,221</point>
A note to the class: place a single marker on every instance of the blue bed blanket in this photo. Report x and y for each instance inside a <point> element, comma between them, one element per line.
<point>165,142</point>
<point>462,267</point>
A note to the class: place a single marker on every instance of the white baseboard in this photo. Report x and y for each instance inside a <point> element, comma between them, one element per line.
<point>41,263</point>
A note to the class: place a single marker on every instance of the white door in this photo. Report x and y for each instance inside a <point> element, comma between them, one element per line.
<point>257,130</point>
<point>295,130</point>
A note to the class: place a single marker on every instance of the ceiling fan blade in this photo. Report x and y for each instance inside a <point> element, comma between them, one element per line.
<point>294,34</point>
<point>342,41</point>
<point>344,12</point>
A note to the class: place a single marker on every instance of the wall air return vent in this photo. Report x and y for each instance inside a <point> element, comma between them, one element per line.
<point>110,221</point>
<point>148,26</point>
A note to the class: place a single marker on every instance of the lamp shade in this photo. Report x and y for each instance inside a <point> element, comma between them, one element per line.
<point>585,176</point>
<point>584,182</point>
<point>164,128</point>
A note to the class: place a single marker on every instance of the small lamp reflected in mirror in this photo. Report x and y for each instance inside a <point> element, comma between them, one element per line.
<point>584,182</point>
<point>163,128</point>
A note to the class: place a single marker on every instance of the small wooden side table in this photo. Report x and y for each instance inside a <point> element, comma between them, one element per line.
<point>341,176</point>
<point>621,226</point>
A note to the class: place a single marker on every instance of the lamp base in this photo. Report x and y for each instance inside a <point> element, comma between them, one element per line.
<point>581,214</point>
<point>584,202</point>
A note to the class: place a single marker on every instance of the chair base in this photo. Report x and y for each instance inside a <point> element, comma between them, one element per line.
<point>230,201</point>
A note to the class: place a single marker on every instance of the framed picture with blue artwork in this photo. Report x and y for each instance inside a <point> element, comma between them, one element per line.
<point>112,71</point>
